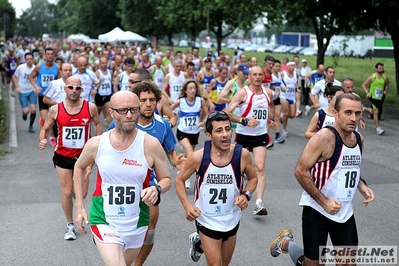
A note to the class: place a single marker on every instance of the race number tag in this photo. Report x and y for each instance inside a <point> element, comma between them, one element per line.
<point>46,79</point>
<point>105,89</point>
<point>379,93</point>
<point>261,115</point>
<point>346,185</point>
<point>176,88</point>
<point>120,200</point>
<point>13,65</point>
<point>73,137</point>
<point>217,201</point>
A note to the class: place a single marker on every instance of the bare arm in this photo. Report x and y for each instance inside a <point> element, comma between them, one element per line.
<point>164,87</point>
<point>48,101</point>
<point>116,82</point>
<point>50,120</point>
<point>166,110</point>
<point>312,126</point>
<point>226,92</point>
<point>32,78</point>
<point>237,100</point>
<point>208,98</point>
<point>15,81</point>
<point>387,83</point>
<point>192,164</point>
<point>95,118</point>
<point>312,153</point>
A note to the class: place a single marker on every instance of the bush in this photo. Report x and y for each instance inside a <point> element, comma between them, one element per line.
<point>3,116</point>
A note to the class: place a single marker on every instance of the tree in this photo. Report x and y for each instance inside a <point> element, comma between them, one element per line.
<point>144,18</point>
<point>90,17</point>
<point>7,14</point>
<point>328,18</point>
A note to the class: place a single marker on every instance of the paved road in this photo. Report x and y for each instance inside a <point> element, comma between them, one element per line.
<point>33,224</point>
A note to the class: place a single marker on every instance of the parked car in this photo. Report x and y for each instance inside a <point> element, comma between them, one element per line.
<point>309,51</point>
<point>251,47</point>
<point>183,43</point>
<point>280,49</point>
<point>296,49</point>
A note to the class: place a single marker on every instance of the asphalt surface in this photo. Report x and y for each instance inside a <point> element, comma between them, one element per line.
<point>33,223</point>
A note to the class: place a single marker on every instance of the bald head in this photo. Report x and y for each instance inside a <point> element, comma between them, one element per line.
<point>81,64</point>
<point>72,80</point>
<point>123,97</point>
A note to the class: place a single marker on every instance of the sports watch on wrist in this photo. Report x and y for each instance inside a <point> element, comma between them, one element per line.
<point>247,194</point>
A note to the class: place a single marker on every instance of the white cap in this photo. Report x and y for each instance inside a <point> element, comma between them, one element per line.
<point>304,61</point>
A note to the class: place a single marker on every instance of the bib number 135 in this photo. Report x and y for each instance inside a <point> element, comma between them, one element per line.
<point>120,195</point>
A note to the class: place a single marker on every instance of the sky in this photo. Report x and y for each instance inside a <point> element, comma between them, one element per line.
<point>20,5</point>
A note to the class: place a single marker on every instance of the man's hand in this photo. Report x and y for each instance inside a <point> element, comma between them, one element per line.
<point>42,144</point>
<point>332,206</point>
<point>241,201</point>
<point>366,192</point>
<point>252,122</point>
<point>149,195</point>
<point>192,212</point>
<point>81,216</point>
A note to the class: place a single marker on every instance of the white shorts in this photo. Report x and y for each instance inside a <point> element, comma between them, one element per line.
<point>109,235</point>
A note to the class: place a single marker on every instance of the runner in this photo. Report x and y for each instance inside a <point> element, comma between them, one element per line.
<point>45,72</point>
<point>327,204</point>
<point>312,79</point>
<point>157,72</point>
<point>120,82</point>
<point>214,89</point>
<point>192,107</point>
<point>288,97</point>
<point>379,86</point>
<point>73,117</point>
<point>26,91</point>
<point>254,104</point>
<point>119,214</point>
<point>173,82</point>
<point>90,82</point>
<point>205,76</point>
<point>10,61</point>
<point>317,93</point>
<point>278,86</point>
<point>105,90</point>
<point>217,205</point>
<point>324,117</point>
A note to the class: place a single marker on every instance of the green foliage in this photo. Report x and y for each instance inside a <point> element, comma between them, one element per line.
<point>3,116</point>
<point>7,10</point>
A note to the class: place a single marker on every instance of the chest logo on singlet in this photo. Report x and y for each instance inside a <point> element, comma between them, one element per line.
<point>131,162</point>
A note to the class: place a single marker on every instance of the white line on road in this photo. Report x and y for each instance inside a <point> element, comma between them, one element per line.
<point>13,141</point>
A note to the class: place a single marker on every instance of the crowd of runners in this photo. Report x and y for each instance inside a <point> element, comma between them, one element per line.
<point>177,94</point>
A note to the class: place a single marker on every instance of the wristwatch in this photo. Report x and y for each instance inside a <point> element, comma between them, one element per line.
<point>247,194</point>
<point>159,189</point>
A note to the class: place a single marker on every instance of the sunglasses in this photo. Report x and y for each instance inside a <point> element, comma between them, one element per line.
<point>123,111</point>
<point>133,81</point>
<point>215,115</point>
<point>72,87</point>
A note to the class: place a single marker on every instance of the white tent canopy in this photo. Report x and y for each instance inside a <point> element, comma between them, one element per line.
<point>129,36</point>
<point>110,36</point>
<point>77,37</point>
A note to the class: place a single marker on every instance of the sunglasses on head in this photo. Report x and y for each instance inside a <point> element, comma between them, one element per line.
<point>131,81</point>
<point>71,87</point>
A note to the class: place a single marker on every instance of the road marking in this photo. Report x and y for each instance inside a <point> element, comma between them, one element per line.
<point>13,141</point>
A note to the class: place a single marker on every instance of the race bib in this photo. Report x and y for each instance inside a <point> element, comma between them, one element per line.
<point>46,79</point>
<point>73,137</point>
<point>379,93</point>
<point>105,88</point>
<point>120,200</point>
<point>176,88</point>
<point>346,185</point>
<point>13,65</point>
<point>261,115</point>
<point>189,122</point>
<point>217,201</point>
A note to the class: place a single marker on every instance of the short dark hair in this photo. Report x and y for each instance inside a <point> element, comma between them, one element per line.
<point>269,58</point>
<point>28,54</point>
<point>349,96</point>
<point>327,68</point>
<point>379,64</point>
<point>143,74</point>
<point>148,86</point>
<point>331,90</point>
<point>129,61</point>
<point>190,64</point>
<point>346,79</point>
<point>48,49</point>
<point>215,116</point>
<point>277,61</point>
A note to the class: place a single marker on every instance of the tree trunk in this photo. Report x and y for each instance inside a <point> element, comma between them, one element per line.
<point>395,40</point>
<point>170,40</point>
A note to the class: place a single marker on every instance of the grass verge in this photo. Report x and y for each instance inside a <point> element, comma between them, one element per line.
<point>3,121</point>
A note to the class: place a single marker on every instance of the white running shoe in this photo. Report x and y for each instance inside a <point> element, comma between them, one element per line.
<point>284,133</point>
<point>307,110</point>
<point>380,131</point>
<point>188,184</point>
<point>70,233</point>
<point>195,255</point>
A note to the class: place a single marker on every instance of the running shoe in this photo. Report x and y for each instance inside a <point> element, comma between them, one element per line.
<point>31,129</point>
<point>188,184</point>
<point>70,233</point>
<point>12,94</point>
<point>298,113</point>
<point>195,254</point>
<point>284,133</point>
<point>41,122</point>
<point>279,139</point>
<point>276,247</point>
<point>24,117</point>
<point>260,209</point>
<point>307,110</point>
<point>53,141</point>
<point>270,143</point>
<point>380,131</point>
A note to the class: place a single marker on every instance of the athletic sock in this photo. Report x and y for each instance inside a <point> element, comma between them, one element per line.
<point>32,118</point>
<point>277,134</point>
<point>295,251</point>
<point>70,224</point>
